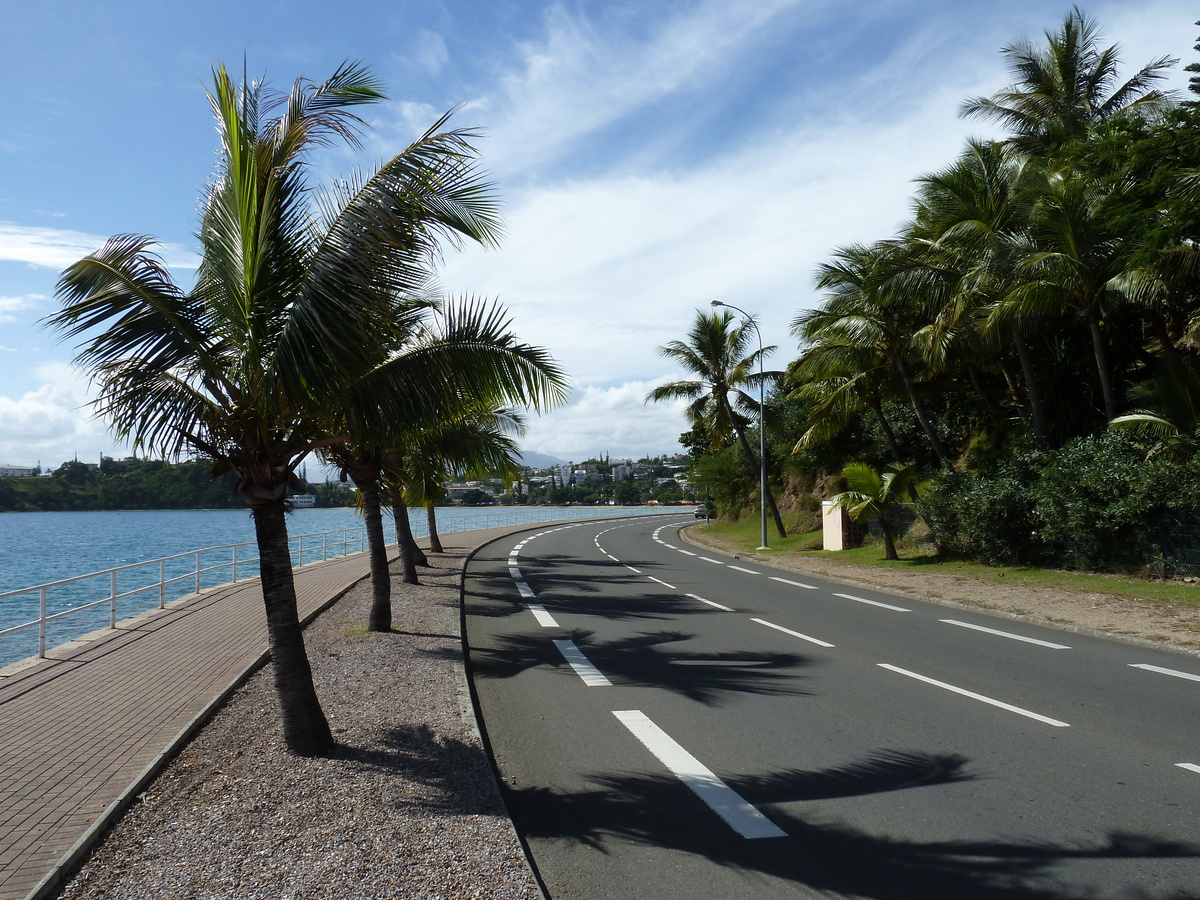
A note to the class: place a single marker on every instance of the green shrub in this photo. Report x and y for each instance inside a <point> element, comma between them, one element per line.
<point>989,516</point>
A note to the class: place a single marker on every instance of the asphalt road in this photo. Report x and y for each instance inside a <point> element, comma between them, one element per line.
<point>671,722</point>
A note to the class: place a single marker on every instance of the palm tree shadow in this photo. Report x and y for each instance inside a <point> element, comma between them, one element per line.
<point>438,774</point>
<point>657,811</point>
<point>643,659</point>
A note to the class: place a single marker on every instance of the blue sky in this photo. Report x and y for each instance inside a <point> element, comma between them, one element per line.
<point>651,155</point>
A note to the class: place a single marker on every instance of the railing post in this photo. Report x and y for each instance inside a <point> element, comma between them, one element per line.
<point>325,546</point>
<point>42,626</point>
<point>112,600</point>
<point>235,546</point>
<point>162,583</point>
<point>197,571</point>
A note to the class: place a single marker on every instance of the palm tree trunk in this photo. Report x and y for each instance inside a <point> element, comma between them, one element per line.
<point>305,728</point>
<point>1106,389</point>
<point>884,424</point>
<point>753,461</point>
<point>435,542</point>
<point>939,449</point>
<point>1036,410</point>
<point>380,617</point>
<point>889,542</point>
<point>404,539</point>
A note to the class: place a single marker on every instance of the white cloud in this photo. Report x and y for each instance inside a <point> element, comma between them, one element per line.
<point>51,423</point>
<point>612,419</point>
<point>56,248</point>
<point>578,78</point>
<point>431,53</point>
<point>11,305</point>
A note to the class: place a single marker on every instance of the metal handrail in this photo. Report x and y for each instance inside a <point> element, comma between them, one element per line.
<point>346,538</point>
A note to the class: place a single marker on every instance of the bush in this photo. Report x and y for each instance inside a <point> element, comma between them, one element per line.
<point>1097,502</point>
<point>990,516</point>
<point>1101,500</point>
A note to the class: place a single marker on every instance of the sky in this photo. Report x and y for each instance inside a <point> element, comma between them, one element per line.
<point>650,156</point>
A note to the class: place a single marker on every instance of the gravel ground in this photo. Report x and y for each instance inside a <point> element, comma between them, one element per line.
<point>408,806</point>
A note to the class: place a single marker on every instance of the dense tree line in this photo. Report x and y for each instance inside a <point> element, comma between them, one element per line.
<point>140,484</point>
<point>1035,326</point>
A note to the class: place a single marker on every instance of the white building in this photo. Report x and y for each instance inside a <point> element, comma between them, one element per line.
<point>18,471</point>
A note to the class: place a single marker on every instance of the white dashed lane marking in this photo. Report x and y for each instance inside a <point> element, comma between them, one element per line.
<point>719,796</point>
<point>980,697</point>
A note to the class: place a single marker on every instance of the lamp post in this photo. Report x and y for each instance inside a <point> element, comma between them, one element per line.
<point>762,429</point>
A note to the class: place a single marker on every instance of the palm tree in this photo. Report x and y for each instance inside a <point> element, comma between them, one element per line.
<point>869,307</point>
<point>291,303</point>
<point>1063,89</point>
<point>437,370</point>
<point>873,493</point>
<point>1069,266</point>
<point>977,215</point>
<point>1169,412</point>
<point>716,355</point>
<point>480,443</point>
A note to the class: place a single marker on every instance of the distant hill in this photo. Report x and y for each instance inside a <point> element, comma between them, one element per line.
<point>539,460</point>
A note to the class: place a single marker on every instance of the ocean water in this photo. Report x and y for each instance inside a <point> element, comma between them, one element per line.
<point>43,547</point>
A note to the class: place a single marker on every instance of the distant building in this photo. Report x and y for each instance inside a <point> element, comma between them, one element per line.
<point>303,501</point>
<point>18,471</point>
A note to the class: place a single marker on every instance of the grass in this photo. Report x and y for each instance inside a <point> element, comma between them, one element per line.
<point>744,537</point>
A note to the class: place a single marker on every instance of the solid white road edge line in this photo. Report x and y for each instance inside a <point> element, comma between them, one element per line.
<point>1162,671</point>
<point>711,603</point>
<point>1005,634</point>
<point>543,618</point>
<point>720,797</point>
<point>872,602</point>
<point>803,637</point>
<point>974,696</point>
<point>801,584</point>
<point>583,667</point>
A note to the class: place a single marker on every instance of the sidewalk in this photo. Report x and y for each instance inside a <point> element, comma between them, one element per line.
<point>84,731</point>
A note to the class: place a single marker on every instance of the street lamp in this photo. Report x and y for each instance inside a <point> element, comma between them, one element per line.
<point>762,429</point>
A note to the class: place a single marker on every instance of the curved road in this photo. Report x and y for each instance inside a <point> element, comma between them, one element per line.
<point>670,722</point>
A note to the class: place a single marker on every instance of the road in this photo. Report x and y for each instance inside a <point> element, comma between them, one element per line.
<point>670,722</point>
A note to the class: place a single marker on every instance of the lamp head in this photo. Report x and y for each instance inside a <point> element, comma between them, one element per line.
<point>716,303</point>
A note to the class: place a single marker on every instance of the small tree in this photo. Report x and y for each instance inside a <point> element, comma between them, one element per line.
<point>875,493</point>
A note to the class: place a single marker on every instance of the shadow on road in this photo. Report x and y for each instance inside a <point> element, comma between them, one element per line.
<point>660,812</point>
<point>650,659</point>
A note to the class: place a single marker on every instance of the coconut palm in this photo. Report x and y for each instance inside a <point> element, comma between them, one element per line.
<point>1066,87</point>
<point>481,443</point>
<point>874,493</point>
<point>291,303</point>
<point>440,368</point>
<point>976,213</point>
<point>870,307</point>
<point>1169,407</point>
<point>716,354</point>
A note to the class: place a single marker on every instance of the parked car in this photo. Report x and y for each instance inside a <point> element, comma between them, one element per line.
<point>701,512</point>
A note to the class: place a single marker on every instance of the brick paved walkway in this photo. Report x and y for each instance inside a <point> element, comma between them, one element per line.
<point>83,732</point>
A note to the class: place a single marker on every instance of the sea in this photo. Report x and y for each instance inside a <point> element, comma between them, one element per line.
<point>125,548</point>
